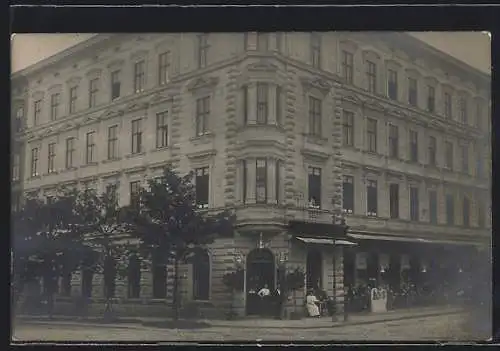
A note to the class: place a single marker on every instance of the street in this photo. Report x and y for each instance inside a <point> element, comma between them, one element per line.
<point>443,327</point>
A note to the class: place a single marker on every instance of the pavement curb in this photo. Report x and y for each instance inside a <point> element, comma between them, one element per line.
<point>228,325</point>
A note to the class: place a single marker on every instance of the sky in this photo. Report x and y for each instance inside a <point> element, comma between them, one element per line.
<point>473,48</point>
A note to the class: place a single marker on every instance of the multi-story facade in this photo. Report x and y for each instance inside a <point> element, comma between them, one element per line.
<point>288,130</point>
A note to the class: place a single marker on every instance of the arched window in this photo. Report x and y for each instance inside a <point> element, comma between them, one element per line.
<point>201,275</point>
<point>159,272</point>
<point>134,277</point>
<point>109,278</point>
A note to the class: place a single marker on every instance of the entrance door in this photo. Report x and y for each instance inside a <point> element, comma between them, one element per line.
<point>314,268</point>
<point>260,272</point>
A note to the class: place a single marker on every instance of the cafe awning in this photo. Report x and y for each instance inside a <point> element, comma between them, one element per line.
<point>317,230</point>
<point>326,241</point>
<point>362,236</point>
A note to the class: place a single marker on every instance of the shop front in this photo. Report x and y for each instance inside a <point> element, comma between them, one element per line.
<point>413,271</point>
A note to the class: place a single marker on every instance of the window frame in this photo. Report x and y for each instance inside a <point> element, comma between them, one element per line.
<point>414,203</point>
<point>93,91</point>
<point>162,121</point>
<point>450,210</point>
<point>73,98</point>
<point>203,47</point>
<point>202,115</point>
<point>431,99</point>
<point>115,84</point>
<point>134,189</point>
<point>37,112</point>
<point>55,101</point>
<point>16,166</point>
<point>315,115</point>
<point>348,127</point>
<point>139,76</point>
<point>164,66</point>
<point>112,142</point>
<point>413,139</point>
<point>394,201</point>
<point>448,105</point>
<point>392,84</point>
<point>90,147</point>
<point>136,135</point>
<point>371,76</point>
<point>432,151</point>
<point>348,192</point>
<point>261,179</point>
<point>462,110</point>
<point>449,154</point>
<point>464,155</point>
<point>371,135</point>
<point>433,204</point>
<point>466,216</point>
<point>70,150</point>
<point>202,200</point>
<point>315,42</point>
<point>262,103</point>
<point>51,156</point>
<point>393,141</point>
<point>347,64</point>
<point>412,91</point>
<point>35,154</point>
<point>371,203</point>
<point>314,173</point>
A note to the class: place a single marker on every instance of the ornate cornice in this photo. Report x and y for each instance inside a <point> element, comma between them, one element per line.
<point>73,81</point>
<point>317,83</point>
<point>262,66</point>
<point>115,64</point>
<point>207,83</point>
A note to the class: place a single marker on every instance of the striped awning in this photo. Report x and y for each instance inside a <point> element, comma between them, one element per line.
<point>326,241</point>
<point>363,236</point>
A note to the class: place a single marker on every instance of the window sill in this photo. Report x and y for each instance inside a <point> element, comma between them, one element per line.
<point>35,177</point>
<point>138,154</point>
<point>50,173</point>
<point>90,164</point>
<point>202,138</point>
<point>69,169</point>
<point>111,160</point>
<point>161,148</point>
<point>315,139</point>
<point>262,125</point>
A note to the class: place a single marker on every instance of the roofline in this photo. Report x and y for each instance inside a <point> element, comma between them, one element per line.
<point>58,57</point>
<point>433,50</point>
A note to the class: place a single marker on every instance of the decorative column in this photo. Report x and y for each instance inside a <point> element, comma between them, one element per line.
<point>252,103</point>
<point>251,174</point>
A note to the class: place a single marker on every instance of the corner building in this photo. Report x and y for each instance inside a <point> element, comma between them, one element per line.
<point>292,131</point>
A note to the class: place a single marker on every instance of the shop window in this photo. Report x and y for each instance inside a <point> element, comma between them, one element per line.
<point>433,207</point>
<point>450,210</point>
<point>394,200</point>
<point>414,204</point>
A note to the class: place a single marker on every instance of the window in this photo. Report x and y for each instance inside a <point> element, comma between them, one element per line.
<point>112,142</point>
<point>316,50</point>
<point>480,214</point>
<point>414,204</point>
<point>450,210</point>
<point>262,41</point>
<point>202,187</point>
<point>314,187</point>
<point>262,102</point>
<point>115,84</point>
<point>135,188</point>
<point>433,207</point>
<point>134,277</point>
<point>73,97</point>
<point>466,211</point>
<point>432,151</point>
<point>348,128</point>
<point>413,146</point>
<point>15,167</point>
<point>371,198</point>
<point>201,275</point>
<point>139,76</point>
<point>93,90</point>
<point>136,136</point>
<point>202,115</point>
<point>279,41</point>
<point>279,96</point>
<point>347,67</point>
<point>159,272</point>
<point>314,116</point>
<point>244,181</point>
<point>19,119</point>
<point>348,194</point>
<point>164,61</point>
<point>261,180</point>
<point>412,92</point>
<point>371,75</point>
<point>479,116</point>
<point>431,99</point>
<point>37,112</point>
<point>394,200</point>
<point>112,193</point>
<point>371,134</point>
<point>70,151</point>
<point>392,84</point>
<point>34,162</point>
<point>278,181</point>
<point>51,156</point>
<point>465,158</point>
<point>449,155</point>
<point>55,101</point>
<point>463,110</point>
<point>90,143</point>
<point>479,161</point>
<point>393,141</point>
<point>161,129</point>
<point>447,106</point>
<point>244,92</point>
<point>202,50</point>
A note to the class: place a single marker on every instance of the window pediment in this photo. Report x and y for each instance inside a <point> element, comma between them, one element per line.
<point>138,55</point>
<point>161,97</point>
<point>110,113</point>
<point>55,88</point>
<point>116,64</point>
<point>393,64</point>
<point>454,80</point>
<point>374,105</point>
<point>352,98</point>
<point>73,81</point>
<point>203,83</point>
<point>136,106</point>
<point>315,155</point>
<point>470,86</point>
<point>201,156</point>
<point>349,45</point>
<point>413,73</point>
<point>94,73</point>
<point>401,54</point>
<point>448,87</point>
<point>38,95</point>
<point>164,45</point>
<point>432,81</point>
<point>397,113</point>
<point>262,66</point>
<point>370,54</point>
<point>316,83</point>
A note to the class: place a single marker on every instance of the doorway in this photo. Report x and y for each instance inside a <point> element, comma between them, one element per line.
<point>260,272</point>
<point>314,269</point>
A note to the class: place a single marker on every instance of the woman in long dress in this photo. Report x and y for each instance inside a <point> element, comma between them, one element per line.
<point>312,307</point>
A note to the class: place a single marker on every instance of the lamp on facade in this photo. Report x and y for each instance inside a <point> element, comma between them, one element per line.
<point>283,257</point>
<point>238,258</point>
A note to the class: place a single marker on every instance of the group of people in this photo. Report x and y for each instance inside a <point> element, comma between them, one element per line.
<point>318,303</point>
<point>269,301</point>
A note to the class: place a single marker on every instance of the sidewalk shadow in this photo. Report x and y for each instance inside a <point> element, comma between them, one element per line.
<point>180,324</point>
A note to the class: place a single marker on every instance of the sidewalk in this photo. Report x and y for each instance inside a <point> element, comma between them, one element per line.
<point>258,323</point>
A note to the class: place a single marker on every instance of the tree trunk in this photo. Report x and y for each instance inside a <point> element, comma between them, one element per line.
<point>176,289</point>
